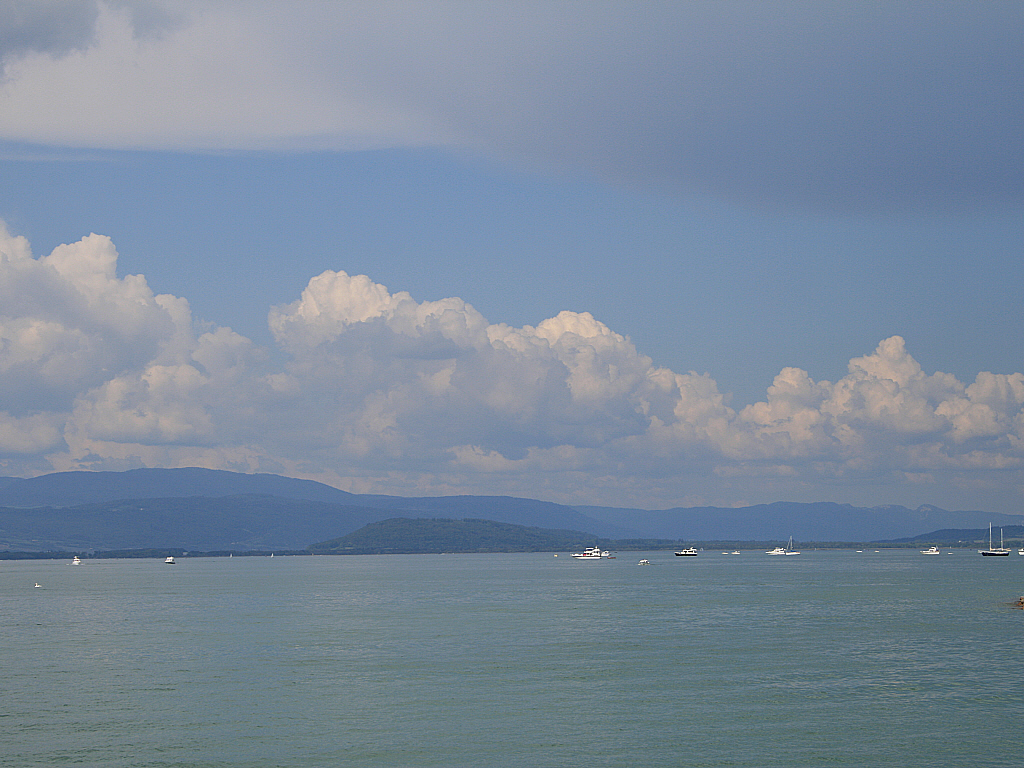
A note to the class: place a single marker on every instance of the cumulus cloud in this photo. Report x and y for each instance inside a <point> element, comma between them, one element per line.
<point>88,356</point>
<point>826,104</point>
<point>382,392</point>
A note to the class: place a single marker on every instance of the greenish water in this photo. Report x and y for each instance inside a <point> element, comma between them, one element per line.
<point>829,658</point>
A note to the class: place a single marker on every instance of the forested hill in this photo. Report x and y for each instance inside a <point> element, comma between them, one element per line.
<point>421,536</point>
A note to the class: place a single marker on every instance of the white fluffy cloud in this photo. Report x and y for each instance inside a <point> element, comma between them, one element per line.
<point>381,392</point>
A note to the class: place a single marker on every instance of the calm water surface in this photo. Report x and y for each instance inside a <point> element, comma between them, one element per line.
<point>829,658</point>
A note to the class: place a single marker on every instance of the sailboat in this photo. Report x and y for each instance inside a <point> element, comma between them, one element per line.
<point>990,552</point>
<point>787,550</point>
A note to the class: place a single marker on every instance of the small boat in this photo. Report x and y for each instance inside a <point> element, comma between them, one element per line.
<point>786,550</point>
<point>644,562</point>
<point>689,552</point>
<point>735,552</point>
<point>931,551</point>
<point>999,551</point>
<point>591,553</point>
<point>75,560</point>
<point>1020,551</point>
<point>37,585</point>
<point>169,561</point>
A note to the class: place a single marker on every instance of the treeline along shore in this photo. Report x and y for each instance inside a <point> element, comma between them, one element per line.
<point>436,536</point>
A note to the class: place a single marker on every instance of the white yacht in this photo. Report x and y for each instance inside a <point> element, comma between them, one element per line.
<point>931,551</point>
<point>591,553</point>
<point>75,560</point>
<point>169,560</point>
<point>644,562</point>
<point>786,550</point>
<point>688,552</point>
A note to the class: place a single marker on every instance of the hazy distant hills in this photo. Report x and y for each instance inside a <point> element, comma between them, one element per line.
<point>204,509</point>
<point>821,521</point>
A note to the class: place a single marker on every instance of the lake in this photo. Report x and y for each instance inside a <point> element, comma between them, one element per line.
<point>830,658</point>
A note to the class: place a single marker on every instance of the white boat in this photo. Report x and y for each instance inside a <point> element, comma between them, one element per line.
<point>688,552</point>
<point>169,561</point>
<point>1020,551</point>
<point>931,551</point>
<point>786,550</point>
<point>644,562</point>
<point>75,560</point>
<point>591,553</point>
<point>999,551</point>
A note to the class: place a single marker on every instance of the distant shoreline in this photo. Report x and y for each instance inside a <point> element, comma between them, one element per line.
<point>708,548</point>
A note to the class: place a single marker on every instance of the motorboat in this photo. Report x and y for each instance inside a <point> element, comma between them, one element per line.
<point>931,551</point>
<point>169,561</point>
<point>591,553</point>
<point>688,552</point>
<point>999,551</point>
<point>786,550</point>
<point>644,562</point>
<point>75,560</point>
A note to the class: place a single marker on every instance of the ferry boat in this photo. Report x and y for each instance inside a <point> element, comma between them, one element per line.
<point>591,553</point>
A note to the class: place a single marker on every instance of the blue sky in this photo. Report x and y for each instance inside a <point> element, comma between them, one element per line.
<point>655,255</point>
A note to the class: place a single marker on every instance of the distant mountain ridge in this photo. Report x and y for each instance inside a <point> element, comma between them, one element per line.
<point>216,509</point>
<point>815,521</point>
<point>240,523</point>
<point>69,489</point>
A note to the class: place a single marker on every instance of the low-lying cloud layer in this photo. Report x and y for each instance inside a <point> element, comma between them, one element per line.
<point>385,393</point>
<point>831,105</point>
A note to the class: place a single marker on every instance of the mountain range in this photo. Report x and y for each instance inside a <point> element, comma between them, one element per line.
<point>204,509</point>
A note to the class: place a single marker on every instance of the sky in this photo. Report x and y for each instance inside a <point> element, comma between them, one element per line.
<point>627,254</point>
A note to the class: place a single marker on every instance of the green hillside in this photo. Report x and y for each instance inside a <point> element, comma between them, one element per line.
<point>420,536</point>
